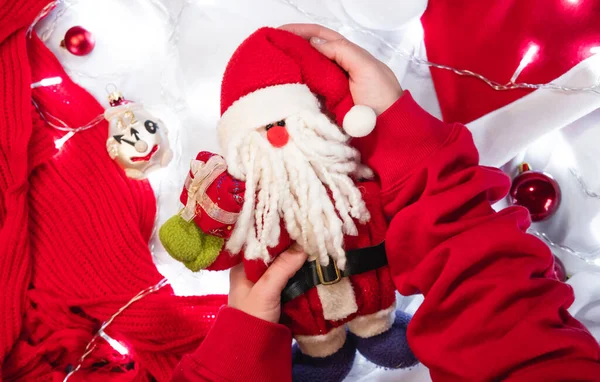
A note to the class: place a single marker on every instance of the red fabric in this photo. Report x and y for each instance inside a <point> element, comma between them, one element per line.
<point>240,347</point>
<point>493,309</point>
<point>74,233</point>
<point>491,37</point>
<point>374,290</point>
<point>284,59</point>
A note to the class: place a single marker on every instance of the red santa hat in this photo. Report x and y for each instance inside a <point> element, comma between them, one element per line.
<point>274,74</point>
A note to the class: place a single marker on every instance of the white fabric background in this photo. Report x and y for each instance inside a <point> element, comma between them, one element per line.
<point>170,56</point>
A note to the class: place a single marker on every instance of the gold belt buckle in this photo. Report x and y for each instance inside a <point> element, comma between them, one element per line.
<point>338,275</point>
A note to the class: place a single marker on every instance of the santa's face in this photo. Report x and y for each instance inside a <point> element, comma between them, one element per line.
<point>277,134</point>
<point>137,140</point>
<point>301,171</point>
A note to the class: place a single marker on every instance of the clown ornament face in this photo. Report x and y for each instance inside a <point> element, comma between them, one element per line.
<point>137,140</point>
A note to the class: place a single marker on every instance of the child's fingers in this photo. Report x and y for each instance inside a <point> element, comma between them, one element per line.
<point>349,56</point>
<point>239,285</point>
<point>271,284</point>
<point>332,45</point>
<point>309,31</point>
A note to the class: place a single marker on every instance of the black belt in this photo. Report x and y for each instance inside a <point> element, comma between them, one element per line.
<point>312,273</point>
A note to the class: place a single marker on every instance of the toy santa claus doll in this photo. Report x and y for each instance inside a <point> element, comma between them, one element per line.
<point>288,174</point>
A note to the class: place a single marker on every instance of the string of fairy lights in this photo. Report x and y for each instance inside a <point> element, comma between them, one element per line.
<point>60,7</point>
<point>589,192</point>
<point>101,333</point>
<point>581,256</point>
<point>528,57</point>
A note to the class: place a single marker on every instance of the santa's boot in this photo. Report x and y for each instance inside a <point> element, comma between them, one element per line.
<point>324,358</point>
<point>381,338</point>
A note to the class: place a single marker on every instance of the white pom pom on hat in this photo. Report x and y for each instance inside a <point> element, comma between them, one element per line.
<point>359,121</point>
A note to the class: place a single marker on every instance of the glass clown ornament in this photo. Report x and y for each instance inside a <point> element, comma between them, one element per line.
<point>137,140</point>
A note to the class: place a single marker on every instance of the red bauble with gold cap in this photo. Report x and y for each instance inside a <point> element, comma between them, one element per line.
<point>559,270</point>
<point>536,191</point>
<point>78,41</point>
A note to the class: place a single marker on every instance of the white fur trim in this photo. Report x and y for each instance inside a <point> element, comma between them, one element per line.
<point>323,345</point>
<point>338,300</point>
<point>359,121</point>
<point>264,106</point>
<point>373,324</point>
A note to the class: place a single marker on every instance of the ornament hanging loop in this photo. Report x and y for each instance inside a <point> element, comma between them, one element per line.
<point>110,88</point>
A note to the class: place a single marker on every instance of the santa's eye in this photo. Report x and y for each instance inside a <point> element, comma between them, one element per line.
<point>151,126</point>
<point>278,123</point>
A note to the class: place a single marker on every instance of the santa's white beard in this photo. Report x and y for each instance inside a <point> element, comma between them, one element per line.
<point>291,183</point>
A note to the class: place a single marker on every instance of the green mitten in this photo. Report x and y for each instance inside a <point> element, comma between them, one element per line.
<point>185,242</point>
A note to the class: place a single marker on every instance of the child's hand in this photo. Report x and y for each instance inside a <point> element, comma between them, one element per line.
<point>263,299</point>
<point>372,83</point>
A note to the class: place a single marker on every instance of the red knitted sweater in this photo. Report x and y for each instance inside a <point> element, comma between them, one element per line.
<point>74,233</point>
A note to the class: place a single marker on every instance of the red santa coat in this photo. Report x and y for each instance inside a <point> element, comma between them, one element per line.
<point>373,291</point>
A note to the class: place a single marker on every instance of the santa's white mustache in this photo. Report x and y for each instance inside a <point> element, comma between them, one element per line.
<point>307,183</point>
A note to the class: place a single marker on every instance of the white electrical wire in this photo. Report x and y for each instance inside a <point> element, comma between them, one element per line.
<point>102,334</point>
<point>591,260</point>
<point>584,187</point>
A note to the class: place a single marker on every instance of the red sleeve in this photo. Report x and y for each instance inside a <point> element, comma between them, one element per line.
<point>240,347</point>
<point>492,310</point>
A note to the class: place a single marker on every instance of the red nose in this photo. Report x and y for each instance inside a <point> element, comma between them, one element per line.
<point>278,136</point>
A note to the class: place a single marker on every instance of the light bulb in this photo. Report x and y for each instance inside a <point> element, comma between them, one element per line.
<point>61,141</point>
<point>528,57</point>
<point>119,347</point>
<point>526,60</point>
<point>47,82</point>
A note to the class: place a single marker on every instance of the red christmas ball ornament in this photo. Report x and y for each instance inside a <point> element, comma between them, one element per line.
<point>559,270</point>
<point>79,41</point>
<point>536,191</point>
